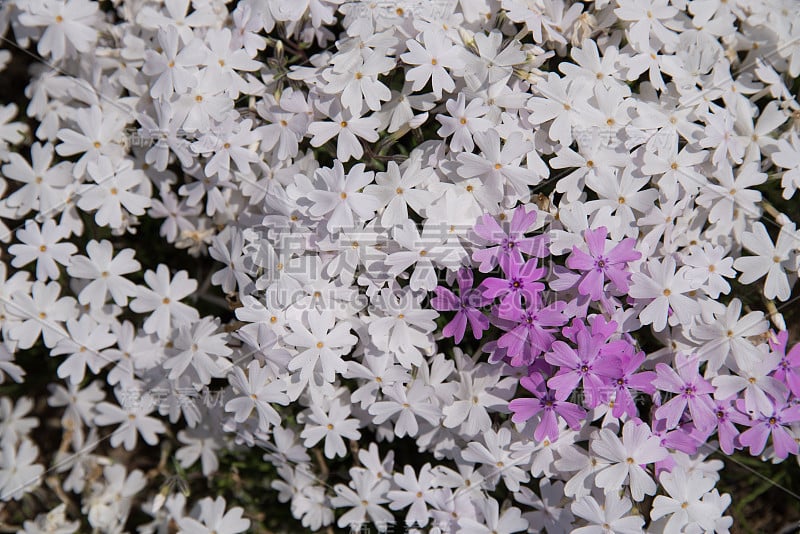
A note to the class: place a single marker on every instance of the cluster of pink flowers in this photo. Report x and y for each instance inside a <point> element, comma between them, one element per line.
<point>565,325</point>
<point>479,266</point>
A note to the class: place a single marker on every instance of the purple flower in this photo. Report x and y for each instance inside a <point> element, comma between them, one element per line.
<point>690,389</point>
<point>788,370</point>
<point>677,438</point>
<point>564,282</point>
<point>511,244</point>
<point>727,433</point>
<point>466,307</point>
<point>600,265</point>
<point>496,354</point>
<point>623,377</point>
<point>602,328</point>
<point>578,366</point>
<point>550,403</point>
<point>518,288</point>
<point>529,331</point>
<point>774,423</point>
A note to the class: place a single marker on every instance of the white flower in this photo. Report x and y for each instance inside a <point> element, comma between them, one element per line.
<point>415,492</point>
<point>646,17</point>
<point>720,135</point>
<point>286,448</point>
<point>398,192</point>
<point>638,447</point>
<point>593,71</point>
<point>364,497</point>
<point>109,503</point>
<point>347,128</point>
<point>463,121</point>
<point>479,390</point>
<point>8,367</point>
<point>500,166</point>
<point>729,335</point>
<point>40,313</point>
<point>549,514</point>
<point>228,141</point>
<point>84,345</point>
<point>379,371</point>
<point>585,464</point>
<point>667,290</point>
<point>772,260</point>
<point>558,104</point>
<point>10,132</point>
<point>498,460</point>
<point>69,26</point>
<point>494,62</point>
<point>289,118</point>
<point>422,250</point>
<point>609,518</point>
<point>99,129</point>
<point>332,426</point>
<point>201,443</point>
<point>224,59</point>
<point>732,194</point>
<point>131,414</point>
<point>711,267</point>
<point>18,472</point>
<point>42,245</point>
<point>105,272</point>
<point>761,391</point>
<point>162,299</point>
<point>624,195</point>
<point>200,346</point>
<point>214,519</point>
<point>685,505</point>
<point>407,404</point>
<point>357,82</point>
<point>325,344</point>
<point>45,183</point>
<point>16,424</point>
<point>405,326</point>
<point>510,520</point>
<point>175,70</point>
<point>18,283</point>
<point>343,198</point>
<point>78,403</point>
<point>432,61</point>
<point>260,388</point>
<point>53,522</point>
<point>787,156</point>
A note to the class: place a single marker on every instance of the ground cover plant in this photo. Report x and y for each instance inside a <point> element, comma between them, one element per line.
<point>480,266</point>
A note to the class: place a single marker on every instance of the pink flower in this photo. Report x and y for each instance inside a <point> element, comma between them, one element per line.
<point>511,243</point>
<point>529,330</point>
<point>519,288</point>
<point>599,265</point>
<point>788,370</point>
<point>550,403</point>
<point>579,366</point>
<point>773,424</point>
<point>623,377</point>
<point>727,433</point>
<point>466,307</point>
<point>690,389</point>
